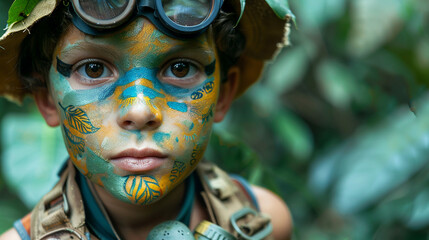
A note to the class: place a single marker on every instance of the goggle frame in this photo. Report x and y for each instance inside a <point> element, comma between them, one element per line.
<point>151,9</point>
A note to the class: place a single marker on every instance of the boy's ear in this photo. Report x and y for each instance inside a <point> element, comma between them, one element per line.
<point>227,93</point>
<point>47,107</point>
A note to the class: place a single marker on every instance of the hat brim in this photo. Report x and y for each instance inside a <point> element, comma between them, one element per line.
<point>10,45</point>
<point>265,35</point>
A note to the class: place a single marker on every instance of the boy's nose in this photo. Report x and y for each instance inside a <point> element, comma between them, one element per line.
<point>139,115</point>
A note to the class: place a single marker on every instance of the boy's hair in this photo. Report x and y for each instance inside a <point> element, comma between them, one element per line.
<point>37,48</point>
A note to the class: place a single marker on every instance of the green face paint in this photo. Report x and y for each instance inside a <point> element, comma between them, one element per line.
<point>136,107</point>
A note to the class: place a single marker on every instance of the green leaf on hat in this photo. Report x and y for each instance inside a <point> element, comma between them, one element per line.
<point>242,6</point>
<point>281,8</point>
<point>20,9</point>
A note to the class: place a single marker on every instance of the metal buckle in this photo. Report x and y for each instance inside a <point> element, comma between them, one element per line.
<point>261,234</point>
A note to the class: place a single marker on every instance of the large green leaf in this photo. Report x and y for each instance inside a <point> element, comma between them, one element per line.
<point>20,9</point>
<point>32,154</point>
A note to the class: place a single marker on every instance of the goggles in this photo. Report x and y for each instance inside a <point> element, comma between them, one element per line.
<point>175,18</point>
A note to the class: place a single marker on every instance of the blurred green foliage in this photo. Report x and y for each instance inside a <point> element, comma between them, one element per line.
<point>338,126</point>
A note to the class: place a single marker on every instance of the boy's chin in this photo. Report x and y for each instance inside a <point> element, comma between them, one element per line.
<point>145,191</point>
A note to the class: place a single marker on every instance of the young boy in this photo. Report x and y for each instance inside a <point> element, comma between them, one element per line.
<point>135,87</point>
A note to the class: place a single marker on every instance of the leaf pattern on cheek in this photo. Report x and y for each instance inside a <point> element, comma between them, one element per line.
<point>142,189</point>
<point>76,144</point>
<point>78,119</point>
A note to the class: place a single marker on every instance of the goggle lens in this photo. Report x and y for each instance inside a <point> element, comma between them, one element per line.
<point>103,9</point>
<point>187,12</point>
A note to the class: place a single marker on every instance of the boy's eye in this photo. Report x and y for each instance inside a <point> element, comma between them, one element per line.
<point>183,69</point>
<point>90,73</point>
<point>180,69</point>
<point>93,70</point>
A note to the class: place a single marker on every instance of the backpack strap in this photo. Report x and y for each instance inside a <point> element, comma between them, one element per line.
<point>60,214</point>
<point>228,205</point>
<point>246,188</point>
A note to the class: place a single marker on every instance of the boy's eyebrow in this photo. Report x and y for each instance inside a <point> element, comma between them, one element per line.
<point>85,46</point>
<point>201,48</point>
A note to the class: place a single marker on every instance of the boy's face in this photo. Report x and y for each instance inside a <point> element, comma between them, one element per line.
<point>135,107</point>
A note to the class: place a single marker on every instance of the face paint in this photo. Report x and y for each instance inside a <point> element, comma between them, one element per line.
<point>139,127</point>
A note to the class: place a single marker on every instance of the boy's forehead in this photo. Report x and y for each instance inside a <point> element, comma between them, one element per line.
<point>137,37</point>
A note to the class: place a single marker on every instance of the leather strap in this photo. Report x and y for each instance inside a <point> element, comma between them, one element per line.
<point>60,213</point>
<point>224,201</point>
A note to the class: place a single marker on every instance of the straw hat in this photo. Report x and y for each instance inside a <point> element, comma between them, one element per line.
<point>265,34</point>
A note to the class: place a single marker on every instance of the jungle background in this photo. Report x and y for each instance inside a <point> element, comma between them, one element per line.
<point>338,126</point>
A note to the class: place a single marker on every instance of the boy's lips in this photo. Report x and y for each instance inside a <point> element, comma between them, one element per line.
<point>138,161</point>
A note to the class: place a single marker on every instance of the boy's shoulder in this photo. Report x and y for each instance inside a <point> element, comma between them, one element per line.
<point>276,208</point>
<point>10,234</point>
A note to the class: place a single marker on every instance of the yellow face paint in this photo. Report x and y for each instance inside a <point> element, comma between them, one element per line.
<point>136,116</point>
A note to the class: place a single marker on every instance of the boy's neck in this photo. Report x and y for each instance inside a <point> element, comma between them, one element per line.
<point>134,221</point>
